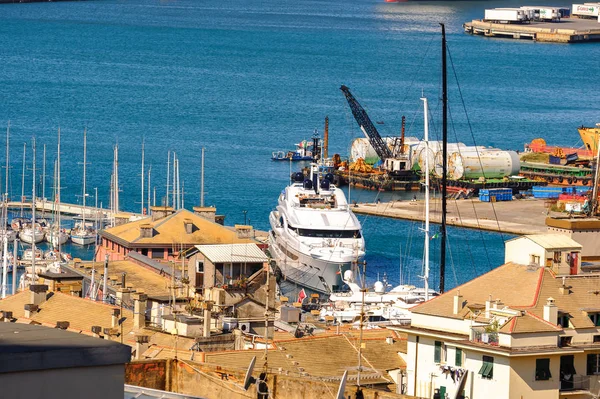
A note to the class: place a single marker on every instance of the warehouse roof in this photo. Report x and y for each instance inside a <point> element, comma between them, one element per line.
<point>233,253</point>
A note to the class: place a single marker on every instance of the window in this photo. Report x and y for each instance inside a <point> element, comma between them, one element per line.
<point>542,369</point>
<point>595,318</point>
<point>563,320</point>
<point>593,364</point>
<point>437,352</point>
<point>458,357</point>
<point>487,368</point>
<point>557,256</point>
<point>535,259</point>
<point>200,266</point>
<point>565,341</point>
<point>596,338</point>
<point>327,233</point>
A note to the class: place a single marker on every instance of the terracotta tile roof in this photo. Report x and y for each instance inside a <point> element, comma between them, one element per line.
<point>524,288</point>
<point>82,314</point>
<point>500,283</point>
<point>171,229</point>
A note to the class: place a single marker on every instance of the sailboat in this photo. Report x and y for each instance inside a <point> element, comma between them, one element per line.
<point>83,234</point>
<point>57,236</point>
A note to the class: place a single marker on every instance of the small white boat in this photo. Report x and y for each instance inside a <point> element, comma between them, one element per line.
<point>28,255</point>
<point>11,235</point>
<point>17,224</point>
<point>57,237</point>
<point>83,235</point>
<point>31,234</point>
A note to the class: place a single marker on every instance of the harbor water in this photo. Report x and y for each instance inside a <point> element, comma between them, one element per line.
<point>244,78</point>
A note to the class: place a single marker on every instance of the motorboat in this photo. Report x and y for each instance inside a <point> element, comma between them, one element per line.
<point>306,150</point>
<point>28,255</point>
<point>314,234</point>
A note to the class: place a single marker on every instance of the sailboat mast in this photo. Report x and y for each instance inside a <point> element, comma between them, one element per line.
<point>84,171</point>
<point>143,177</point>
<point>174,180</point>
<point>444,161</point>
<point>33,229</point>
<point>23,178</point>
<point>148,189</point>
<point>44,174</point>
<point>7,161</point>
<point>202,180</point>
<point>58,192</point>
<point>426,246</point>
<point>116,179</point>
<point>168,176</point>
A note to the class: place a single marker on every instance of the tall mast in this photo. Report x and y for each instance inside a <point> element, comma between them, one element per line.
<point>426,247</point>
<point>33,277</point>
<point>178,185</point>
<point>168,172</point>
<point>148,189</point>
<point>58,200</point>
<point>202,180</point>
<point>444,161</point>
<point>143,176</point>
<point>116,182</point>
<point>174,180</point>
<point>4,219</point>
<point>44,174</point>
<point>23,178</point>
<point>7,161</point>
<point>84,171</point>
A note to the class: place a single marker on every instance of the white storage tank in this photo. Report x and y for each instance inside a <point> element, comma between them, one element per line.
<point>491,164</point>
<point>436,167</point>
<point>434,148</point>
<point>361,148</point>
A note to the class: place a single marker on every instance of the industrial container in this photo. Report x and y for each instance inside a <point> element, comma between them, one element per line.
<point>586,10</point>
<point>490,164</point>
<point>547,192</point>
<point>495,194</point>
<point>505,15</point>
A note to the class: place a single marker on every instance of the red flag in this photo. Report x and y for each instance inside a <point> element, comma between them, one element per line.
<point>301,295</point>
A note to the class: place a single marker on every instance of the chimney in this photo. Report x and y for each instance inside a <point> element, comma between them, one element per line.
<point>146,231</point>
<point>488,306</point>
<point>161,212</point>
<point>30,310</point>
<point>389,340</point>
<point>243,231</point>
<point>115,317</point>
<point>189,226</point>
<point>38,293</point>
<point>96,330</point>
<point>139,310</point>
<point>551,311</point>
<point>458,302</point>
<point>7,316</point>
<point>141,345</point>
<point>63,325</point>
<point>206,212</point>
<point>107,332</point>
<point>207,305</point>
<point>564,290</point>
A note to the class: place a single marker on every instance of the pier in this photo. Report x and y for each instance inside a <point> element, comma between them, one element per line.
<point>568,30</point>
<point>68,209</point>
<point>518,217</point>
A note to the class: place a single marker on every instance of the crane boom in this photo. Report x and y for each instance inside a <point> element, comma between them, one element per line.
<point>367,126</point>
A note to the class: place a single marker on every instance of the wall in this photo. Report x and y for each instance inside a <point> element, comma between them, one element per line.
<point>589,239</point>
<point>459,326</point>
<point>520,250</point>
<point>217,382</point>
<point>478,387</point>
<point>533,339</point>
<point>523,383</point>
<point>69,383</point>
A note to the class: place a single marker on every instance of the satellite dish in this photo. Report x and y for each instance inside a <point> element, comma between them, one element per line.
<point>340,393</point>
<point>248,380</point>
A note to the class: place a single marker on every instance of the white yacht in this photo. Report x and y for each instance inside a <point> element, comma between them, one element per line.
<point>32,233</point>
<point>382,306</point>
<point>314,235</point>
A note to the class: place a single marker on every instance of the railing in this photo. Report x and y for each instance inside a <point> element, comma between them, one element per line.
<point>576,383</point>
<point>480,335</point>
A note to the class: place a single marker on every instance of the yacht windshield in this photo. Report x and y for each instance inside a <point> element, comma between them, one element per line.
<point>328,233</point>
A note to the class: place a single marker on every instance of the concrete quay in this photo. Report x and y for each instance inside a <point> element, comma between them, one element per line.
<point>520,217</point>
<point>568,30</point>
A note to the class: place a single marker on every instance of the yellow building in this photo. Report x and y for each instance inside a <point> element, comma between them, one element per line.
<point>520,331</point>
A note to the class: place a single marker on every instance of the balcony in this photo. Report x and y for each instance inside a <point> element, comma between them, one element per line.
<point>576,382</point>
<point>484,336</point>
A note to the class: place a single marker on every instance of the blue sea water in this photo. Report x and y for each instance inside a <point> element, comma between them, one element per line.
<point>244,78</point>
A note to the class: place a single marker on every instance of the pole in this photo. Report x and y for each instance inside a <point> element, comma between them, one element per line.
<point>23,178</point>
<point>326,139</point>
<point>7,161</point>
<point>148,201</point>
<point>202,180</point>
<point>105,282</point>
<point>444,161</point>
<point>595,187</point>
<point>44,181</point>
<point>84,172</point>
<point>116,182</point>
<point>143,177</point>
<point>174,178</point>
<point>14,273</point>
<point>58,191</point>
<point>168,172</point>
<point>5,252</point>
<point>267,322</point>
<point>426,248</point>
<point>363,289</point>
<point>33,229</point>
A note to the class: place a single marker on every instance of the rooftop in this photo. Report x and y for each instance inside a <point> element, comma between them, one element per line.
<point>551,241</point>
<point>233,253</point>
<point>28,347</point>
<point>170,230</point>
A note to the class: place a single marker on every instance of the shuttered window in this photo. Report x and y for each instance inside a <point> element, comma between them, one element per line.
<point>437,352</point>
<point>593,364</point>
<point>542,369</point>
<point>458,357</point>
<point>487,368</point>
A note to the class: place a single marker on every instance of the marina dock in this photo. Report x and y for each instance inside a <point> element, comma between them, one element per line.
<point>514,217</point>
<point>67,209</point>
<point>568,30</point>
